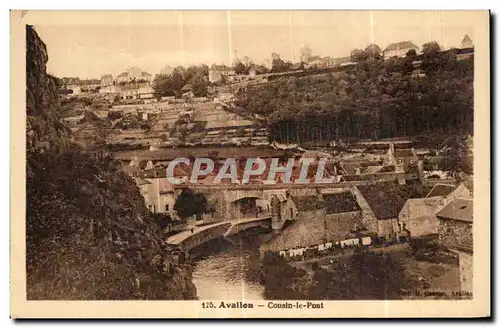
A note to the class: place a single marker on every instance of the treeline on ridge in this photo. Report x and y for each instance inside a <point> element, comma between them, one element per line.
<point>375,98</point>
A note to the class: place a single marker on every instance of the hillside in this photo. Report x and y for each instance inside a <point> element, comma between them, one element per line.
<point>376,98</point>
<point>88,233</point>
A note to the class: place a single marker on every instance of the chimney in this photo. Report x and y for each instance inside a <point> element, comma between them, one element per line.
<point>391,147</point>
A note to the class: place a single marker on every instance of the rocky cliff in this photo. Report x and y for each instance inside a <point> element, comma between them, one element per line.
<point>88,233</point>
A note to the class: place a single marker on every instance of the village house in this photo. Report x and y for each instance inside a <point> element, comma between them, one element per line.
<point>283,209</point>
<point>158,194</point>
<point>106,80</point>
<point>133,74</point>
<point>399,49</point>
<point>401,157</point>
<point>322,221</point>
<point>136,91</point>
<point>418,216</point>
<point>90,85</point>
<point>418,219</point>
<point>217,72</point>
<point>110,90</point>
<point>73,120</point>
<point>450,192</point>
<point>102,114</point>
<point>467,42</point>
<point>381,204</point>
<point>255,70</point>
<point>455,233</point>
<point>75,89</point>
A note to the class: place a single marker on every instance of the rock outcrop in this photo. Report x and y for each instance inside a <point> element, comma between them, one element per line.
<point>88,233</point>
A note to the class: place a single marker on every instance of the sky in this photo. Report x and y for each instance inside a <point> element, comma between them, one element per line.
<point>90,44</point>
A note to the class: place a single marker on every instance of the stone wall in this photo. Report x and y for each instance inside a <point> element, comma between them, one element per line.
<point>387,228</point>
<point>466,271</point>
<point>454,234</point>
<point>337,224</point>
<point>204,236</point>
<point>314,228</point>
<point>369,219</point>
<point>307,230</point>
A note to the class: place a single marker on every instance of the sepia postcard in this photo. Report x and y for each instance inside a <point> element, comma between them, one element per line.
<point>250,164</point>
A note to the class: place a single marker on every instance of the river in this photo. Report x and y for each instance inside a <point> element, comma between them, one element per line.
<point>230,269</point>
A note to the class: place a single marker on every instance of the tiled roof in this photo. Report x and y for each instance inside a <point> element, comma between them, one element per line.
<point>440,189</point>
<point>401,45</point>
<point>350,168</point>
<point>221,68</point>
<point>187,87</point>
<point>387,199</point>
<point>141,181</point>
<point>342,60</point>
<point>460,209</point>
<point>340,203</point>
<point>372,169</point>
<point>403,153</point>
<point>308,203</point>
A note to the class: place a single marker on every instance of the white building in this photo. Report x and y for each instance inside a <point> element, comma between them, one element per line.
<point>133,74</point>
<point>399,49</point>
<point>158,194</point>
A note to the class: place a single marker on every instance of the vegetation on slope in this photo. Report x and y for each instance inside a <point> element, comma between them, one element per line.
<point>88,233</point>
<point>376,98</point>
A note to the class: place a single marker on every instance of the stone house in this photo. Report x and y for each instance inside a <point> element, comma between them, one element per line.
<point>107,80</point>
<point>133,74</point>
<point>283,209</point>
<point>456,234</point>
<point>381,204</point>
<point>467,42</point>
<point>418,219</point>
<point>399,49</point>
<point>217,72</point>
<point>418,216</point>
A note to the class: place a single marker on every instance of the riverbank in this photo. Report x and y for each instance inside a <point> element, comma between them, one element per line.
<point>380,274</point>
<point>231,269</point>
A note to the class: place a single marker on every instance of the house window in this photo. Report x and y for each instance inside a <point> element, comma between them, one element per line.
<point>152,208</point>
<point>167,207</point>
<point>291,212</point>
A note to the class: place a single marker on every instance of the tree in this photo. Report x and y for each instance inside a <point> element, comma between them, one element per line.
<point>431,48</point>
<point>411,53</point>
<point>367,276</point>
<point>279,65</point>
<point>189,203</point>
<point>373,51</point>
<point>240,68</point>
<point>199,87</point>
<point>431,62</point>
<point>374,99</point>
<point>357,55</point>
